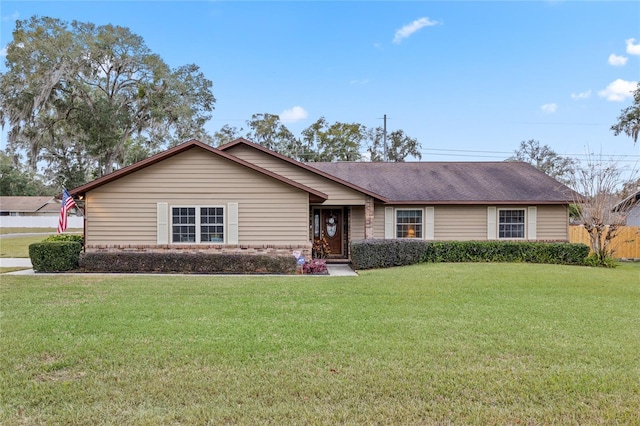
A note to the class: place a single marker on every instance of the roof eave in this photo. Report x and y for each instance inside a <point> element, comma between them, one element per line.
<point>483,202</point>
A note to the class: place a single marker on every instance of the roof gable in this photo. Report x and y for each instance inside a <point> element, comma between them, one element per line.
<point>304,166</point>
<point>315,195</point>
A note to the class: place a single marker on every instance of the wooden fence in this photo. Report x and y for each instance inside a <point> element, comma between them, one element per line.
<point>626,244</point>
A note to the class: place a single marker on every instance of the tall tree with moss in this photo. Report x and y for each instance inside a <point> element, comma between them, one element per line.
<point>95,88</point>
<point>629,118</point>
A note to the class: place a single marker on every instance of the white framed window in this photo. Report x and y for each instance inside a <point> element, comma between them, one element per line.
<point>511,223</point>
<point>197,224</point>
<point>409,223</point>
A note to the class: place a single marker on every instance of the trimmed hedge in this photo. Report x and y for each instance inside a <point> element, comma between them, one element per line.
<point>65,237</point>
<point>187,263</point>
<point>367,254</point>
<point>55,256</point>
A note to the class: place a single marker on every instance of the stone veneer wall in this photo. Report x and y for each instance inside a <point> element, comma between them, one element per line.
<point>271,250</point>
<point>369,208</point>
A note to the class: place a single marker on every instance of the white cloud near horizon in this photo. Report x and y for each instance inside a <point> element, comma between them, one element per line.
<point>581,95</point>
<point>549,108</point>
<point>632,49</point>
<point>294,114</point>
<point>617,61</point>
<point>618,90</point>
<point>410,29</point>
<point>14,16</point>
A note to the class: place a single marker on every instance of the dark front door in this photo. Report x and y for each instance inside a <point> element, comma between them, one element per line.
<point>331,229</point>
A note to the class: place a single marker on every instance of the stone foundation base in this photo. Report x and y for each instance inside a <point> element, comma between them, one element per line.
<point>266,249</point>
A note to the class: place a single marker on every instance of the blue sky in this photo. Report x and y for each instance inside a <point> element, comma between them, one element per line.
<point>469,80</point>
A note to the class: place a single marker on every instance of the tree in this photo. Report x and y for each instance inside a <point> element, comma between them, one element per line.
<point>94,88</point>
<point>336,142</point>
<point>545,159</point>
<point>629,119</point>
<point>399,146</point>
<point>267,130</point>
<point>226,134</point>
<point>597,187</point>
<point>15,180</point>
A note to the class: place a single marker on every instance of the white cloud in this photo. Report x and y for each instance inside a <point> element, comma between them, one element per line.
<point>632,49</point>
<point>14,16</point>
<point>617,61</point>
<point>294,114</point>
<point>3,52</point>
<point>618,90</point>
<point>549,108</point>
<point>411,28</point>
<point>581,95</point>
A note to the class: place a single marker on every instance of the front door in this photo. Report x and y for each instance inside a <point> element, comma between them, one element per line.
<point>331,226</point>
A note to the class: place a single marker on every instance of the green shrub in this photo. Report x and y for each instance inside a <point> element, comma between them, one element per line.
<point>187,263</point>
<point>368,254</point>
<point>55,256</point>
<point>65,237</point>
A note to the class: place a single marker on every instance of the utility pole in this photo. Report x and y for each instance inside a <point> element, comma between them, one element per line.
<point>384,138</point>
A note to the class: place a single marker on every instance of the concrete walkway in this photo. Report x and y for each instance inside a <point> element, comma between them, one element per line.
<point>10,262</point>
<point>334,270</point>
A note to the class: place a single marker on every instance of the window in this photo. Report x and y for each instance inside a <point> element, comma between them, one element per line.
<point>197,224</point>
<point>511,223</point>
<point>408,223</point>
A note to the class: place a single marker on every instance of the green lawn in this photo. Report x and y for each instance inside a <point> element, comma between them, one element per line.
<point>14,230</point>
<point>425,344</point>
<point>18,246</point>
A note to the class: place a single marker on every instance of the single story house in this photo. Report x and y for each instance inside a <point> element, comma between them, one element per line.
<point>33,212</point>
<point>28,206</point>
<point>244,198</point>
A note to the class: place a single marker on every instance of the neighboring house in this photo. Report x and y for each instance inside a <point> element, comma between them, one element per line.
<point>29,206</point>
<point>33,212</point>
<point>242,197</point>
<point>632,206</point>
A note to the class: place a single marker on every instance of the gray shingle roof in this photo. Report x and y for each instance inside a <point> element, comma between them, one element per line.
<point>28,204</point>
<point>453,182</point>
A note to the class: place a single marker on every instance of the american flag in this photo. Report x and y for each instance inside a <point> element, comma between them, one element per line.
<point>67,204</point>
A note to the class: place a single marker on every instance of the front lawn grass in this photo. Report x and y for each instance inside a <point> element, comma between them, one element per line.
<point>424,344</point>
<point>18,246</point>
<point>16,230</point>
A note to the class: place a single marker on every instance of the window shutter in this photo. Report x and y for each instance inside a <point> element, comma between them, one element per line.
<point>429,223</point>
<point>232,223</point>
<point>532,223</point>
<point>491,223</point>
<point>162,223</point>
<point>389,232</point>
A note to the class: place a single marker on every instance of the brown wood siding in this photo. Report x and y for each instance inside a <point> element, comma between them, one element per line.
<point>460,223</point>
<point>357,223</point>
<point>338,194</point>
<point>553,223</point>
<point>124,211</point>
